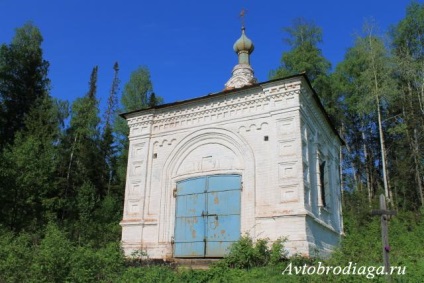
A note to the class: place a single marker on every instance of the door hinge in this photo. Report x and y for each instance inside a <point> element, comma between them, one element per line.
<point>174,192</point>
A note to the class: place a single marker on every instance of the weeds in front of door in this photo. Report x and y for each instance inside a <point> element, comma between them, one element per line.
<point>246,253</point>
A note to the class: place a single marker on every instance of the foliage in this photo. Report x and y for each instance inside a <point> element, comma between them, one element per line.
<point>15,256</point>
<point>246,254</point>
<point>306,57</point>
<point>51,258</point>
<point>103,265</point>
<point>23,80</point>
<point>408,52</point>
<point>366,90</point>
<point>29,167</point>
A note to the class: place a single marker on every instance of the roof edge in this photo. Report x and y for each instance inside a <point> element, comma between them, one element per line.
<point>235,90</point>
<point>221,93</point>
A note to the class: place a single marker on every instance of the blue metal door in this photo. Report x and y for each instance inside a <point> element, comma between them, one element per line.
<point>207,216</point>
<point>189,222</point>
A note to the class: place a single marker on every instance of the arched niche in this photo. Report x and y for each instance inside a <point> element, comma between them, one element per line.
<point>207,152</point>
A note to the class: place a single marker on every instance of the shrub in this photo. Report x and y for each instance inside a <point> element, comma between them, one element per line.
<point>245,254</point>
<point>278,252</point>
<point>53,257</point>
<point>15,256</point>
<point>102,265</point>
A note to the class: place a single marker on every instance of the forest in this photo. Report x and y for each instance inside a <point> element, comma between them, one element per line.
<point>63,164</point>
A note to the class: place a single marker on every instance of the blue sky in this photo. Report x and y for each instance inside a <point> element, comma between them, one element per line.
<point>187,45</point>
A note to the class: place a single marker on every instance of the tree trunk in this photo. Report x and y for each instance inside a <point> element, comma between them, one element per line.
<point>367,166</point>
<point>387,191</point>
<point>417,168</point>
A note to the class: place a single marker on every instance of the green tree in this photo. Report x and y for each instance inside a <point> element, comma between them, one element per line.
<point>84,133</point>
<point>82,163</point>
<point>23,80</point>
<point>305,56</point>
<point>408,49</point>
<point>28,169</point>
<point>153,101</point>
<point>366,88</point>
<point>112,102</point>
<point>108,145</point>
<point>137,90</point>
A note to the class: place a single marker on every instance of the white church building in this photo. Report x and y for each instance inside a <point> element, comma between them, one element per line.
<point>256,158</point>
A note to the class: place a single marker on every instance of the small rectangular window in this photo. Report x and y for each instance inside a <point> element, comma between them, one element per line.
<point>322,181</point>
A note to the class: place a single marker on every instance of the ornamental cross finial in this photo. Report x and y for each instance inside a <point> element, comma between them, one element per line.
<point>242,16</point>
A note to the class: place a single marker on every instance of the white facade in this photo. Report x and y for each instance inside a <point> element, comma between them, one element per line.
<point>276,135</point>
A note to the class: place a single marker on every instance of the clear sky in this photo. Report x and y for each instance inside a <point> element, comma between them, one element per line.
<point>186,44</point>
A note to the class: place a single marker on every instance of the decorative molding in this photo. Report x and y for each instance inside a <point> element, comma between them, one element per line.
<point>137,150</point>
<point>286,127</point>
<point>289,193</point>
<point>219,109</point>
<point>242,76</point>
<point>288,171</point>
<point>287,147</point>
<point>136,168</point>
<point>253,127</point>
<point>164,142</point>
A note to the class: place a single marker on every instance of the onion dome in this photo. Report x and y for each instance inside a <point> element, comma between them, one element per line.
<point>243,43</point>
<point>242,74</point>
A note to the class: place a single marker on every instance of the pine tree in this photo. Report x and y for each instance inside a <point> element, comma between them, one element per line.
<point>82,155</point>
<point>108,142</point>
<point>28,169</point>
<point>23,80</point>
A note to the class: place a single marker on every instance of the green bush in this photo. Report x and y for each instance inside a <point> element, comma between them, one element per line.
<point>245,254</point>
<point>15,256</point>
<point>52,259</point>
<point>102,265</point>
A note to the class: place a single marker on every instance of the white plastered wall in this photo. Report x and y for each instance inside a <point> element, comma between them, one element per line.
<point>254,132</point>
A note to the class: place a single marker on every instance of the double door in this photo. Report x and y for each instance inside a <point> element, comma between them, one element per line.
<point>207,215</point>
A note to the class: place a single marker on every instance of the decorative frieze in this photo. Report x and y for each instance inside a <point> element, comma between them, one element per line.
<point>214,110</point>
